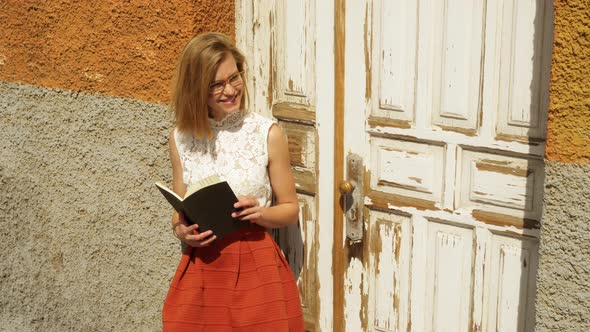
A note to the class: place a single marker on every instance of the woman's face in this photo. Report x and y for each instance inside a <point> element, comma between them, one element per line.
<point>225,91</point>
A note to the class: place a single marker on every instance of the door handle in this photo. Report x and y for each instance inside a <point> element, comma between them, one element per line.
<point>352,198</point>
<point>346,187</point>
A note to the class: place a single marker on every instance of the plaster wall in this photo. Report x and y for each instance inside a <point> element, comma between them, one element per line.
<point>84,243</point>
<point>568,128</point>
<point>84,238</point>
<point>119,48</point>
<point>563,287</point>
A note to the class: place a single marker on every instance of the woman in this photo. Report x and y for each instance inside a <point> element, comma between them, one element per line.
<point>242,282</point>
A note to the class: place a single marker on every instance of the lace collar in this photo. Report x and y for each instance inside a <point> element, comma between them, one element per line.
<point>232,120</point>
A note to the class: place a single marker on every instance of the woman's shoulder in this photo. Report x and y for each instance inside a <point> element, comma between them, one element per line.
<point>259,120</point>
<point>184,139</point>
<point>255,116</point>
<point>178,135</point>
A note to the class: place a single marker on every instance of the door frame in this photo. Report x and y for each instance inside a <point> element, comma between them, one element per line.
<point>254,26</point>
<point>339,107</point>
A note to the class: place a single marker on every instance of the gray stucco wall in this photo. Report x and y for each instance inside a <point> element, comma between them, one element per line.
<point>84,238</point>
<point>563,287</point>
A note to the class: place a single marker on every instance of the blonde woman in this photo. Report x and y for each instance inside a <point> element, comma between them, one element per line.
<point>242,282</point>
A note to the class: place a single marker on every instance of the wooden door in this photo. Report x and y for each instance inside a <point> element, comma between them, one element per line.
<point>289,46</point>
<point>437,110</point>
<point>445,106</point>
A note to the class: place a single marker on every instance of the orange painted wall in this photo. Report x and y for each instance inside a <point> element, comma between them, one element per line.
<point>120,48</point>
<point>568,129</point>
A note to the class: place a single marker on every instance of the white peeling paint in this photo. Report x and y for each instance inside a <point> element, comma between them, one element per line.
<point>352,291</point>
<point>394,58</point>
<point>325,126</point>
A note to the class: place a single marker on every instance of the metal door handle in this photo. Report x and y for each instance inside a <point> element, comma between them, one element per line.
<point>346,187</point>
<point>352,198</point>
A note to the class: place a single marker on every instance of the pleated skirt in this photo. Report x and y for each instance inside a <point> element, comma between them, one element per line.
<point>241,283</point>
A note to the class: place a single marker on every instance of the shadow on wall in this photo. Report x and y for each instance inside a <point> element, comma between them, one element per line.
<point>534,120</point>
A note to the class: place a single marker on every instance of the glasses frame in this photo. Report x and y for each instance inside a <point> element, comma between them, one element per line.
<point>237,84</point>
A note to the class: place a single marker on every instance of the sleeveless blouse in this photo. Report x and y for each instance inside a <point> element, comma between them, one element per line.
<point>238,153</point>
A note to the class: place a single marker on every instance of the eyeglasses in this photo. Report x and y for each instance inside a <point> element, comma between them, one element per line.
<point>235,80</point>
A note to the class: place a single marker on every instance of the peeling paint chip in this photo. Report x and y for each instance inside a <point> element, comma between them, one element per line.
<point>95,77</point>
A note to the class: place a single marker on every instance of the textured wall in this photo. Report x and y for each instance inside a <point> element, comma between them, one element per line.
<point>120,48</point>
<point>563,286</point>
<point>568,130</point>
<point>84,239</point>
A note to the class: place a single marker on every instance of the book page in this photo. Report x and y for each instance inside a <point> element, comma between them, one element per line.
<point>163,187</point>
<point>198,185</point>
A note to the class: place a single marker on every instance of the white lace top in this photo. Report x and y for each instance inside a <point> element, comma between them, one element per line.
<point>237,153</point>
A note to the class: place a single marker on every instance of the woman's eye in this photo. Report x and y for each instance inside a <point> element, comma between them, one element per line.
<point>235,78</point>
<point>216,86</point>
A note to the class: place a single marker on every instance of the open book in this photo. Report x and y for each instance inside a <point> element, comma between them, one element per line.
<point>209,203</point>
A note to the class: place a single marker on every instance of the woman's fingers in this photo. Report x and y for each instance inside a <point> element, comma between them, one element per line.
<point>246,201</point>
<point>250,208</point>
<point>200,239</point>
<point>183,230</point>
<point>252,216</point>
<point>208,241</point>
<point>189,235</point>
<point>200,244</point>
<point>245,212</point>
<point>192,228</point>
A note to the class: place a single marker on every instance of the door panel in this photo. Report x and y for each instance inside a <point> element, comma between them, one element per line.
<point>389,270</point>
<point>499,184</point>
<point>279,38</point>
<point>451,132</point>
<point>525,54</point>
<point>449,281</point>
<point>394,58</point>
<point>404,168</point>
<point>292,91</point>
<point>456,35</point>
<point>511,283</point>
<point>293,48</point>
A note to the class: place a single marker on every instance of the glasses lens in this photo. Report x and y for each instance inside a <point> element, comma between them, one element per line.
<point>216,88</point>
<point>236,80</point>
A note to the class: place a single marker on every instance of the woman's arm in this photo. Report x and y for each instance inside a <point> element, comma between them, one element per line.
<point>180,227</point>
<point>286,208</point>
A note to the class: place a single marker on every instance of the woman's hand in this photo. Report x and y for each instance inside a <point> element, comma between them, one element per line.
<point>189,234</point>
<point>251,209</point>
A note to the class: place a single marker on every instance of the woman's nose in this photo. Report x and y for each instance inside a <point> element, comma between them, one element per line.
<point>229,90</point>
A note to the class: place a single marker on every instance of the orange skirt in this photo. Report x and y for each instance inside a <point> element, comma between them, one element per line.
<point>241,283</point>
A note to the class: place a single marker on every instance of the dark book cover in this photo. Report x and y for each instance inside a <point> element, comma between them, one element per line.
<point>209,207</point>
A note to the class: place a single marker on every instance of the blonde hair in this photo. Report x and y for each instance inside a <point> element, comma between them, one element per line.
<point>195,71</point>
